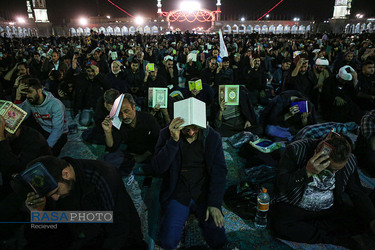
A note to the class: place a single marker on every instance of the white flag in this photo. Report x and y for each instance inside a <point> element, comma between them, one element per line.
<point>223,49</point>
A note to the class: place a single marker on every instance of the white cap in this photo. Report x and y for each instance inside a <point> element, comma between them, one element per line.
<point>344,74</point>
<point>166,58</point>
<point>322,62</point>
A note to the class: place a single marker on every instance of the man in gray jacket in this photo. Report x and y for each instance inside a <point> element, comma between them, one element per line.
<point>48,111</point>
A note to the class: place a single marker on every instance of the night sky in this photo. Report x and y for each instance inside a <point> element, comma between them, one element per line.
<point>318,10</point>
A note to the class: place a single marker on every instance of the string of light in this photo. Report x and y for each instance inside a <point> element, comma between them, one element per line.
<point>270,10</point>
<point>119,8</point>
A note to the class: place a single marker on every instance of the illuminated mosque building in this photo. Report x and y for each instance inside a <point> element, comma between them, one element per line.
<point>190,16</point>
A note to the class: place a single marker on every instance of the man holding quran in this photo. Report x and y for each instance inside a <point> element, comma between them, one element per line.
<point>18,145</point>
<point>67,184</point>
<point>190,157</point>
<point>138,130</point>
<point>286,114</point>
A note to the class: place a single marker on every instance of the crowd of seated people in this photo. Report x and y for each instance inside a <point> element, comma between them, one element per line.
<point>50,78</point>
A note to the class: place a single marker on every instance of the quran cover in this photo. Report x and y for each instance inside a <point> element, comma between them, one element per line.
<point>192,56</point>
<point>302,106</point>
<point>158,96</point>
<point>49,52</point>
<point>296,53</point>
<point>192,110</point>
<point>150,66</point>
<point>195,85</point>
<point>12,114</point>
<point>39,179</point>
<point>230,94</point>
<point>114,55</point>
<point>115,111</point>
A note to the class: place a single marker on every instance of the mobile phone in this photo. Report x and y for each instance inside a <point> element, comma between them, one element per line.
<point>264,144</point>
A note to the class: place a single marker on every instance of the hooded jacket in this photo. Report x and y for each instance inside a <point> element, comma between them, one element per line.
<point>167,161</point>
<point>50,115</point>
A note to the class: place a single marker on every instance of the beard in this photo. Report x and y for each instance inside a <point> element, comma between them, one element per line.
<point>127,121</point>
<point>70,184</point>
<point>34,100</point>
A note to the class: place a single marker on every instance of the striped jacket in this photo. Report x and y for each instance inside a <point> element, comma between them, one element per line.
<point>292,179</point>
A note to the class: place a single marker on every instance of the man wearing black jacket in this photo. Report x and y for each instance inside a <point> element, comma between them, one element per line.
<point>85,185</point>
<point>153,79</point>
<point>337,97</point>
<point>101,62</point>
<point>313,177</point>
<point>169,71</point>
<point>139,131</point>
<point>209,75</point>
<point>17,150</point>
<point>282,120</point>
<point>256,81</point>
<point>192,162</point>
<point>89,86</point>
<point>302,79</point>
<point>135,78</point>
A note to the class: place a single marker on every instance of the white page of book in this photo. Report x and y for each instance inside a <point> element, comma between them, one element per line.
<point>198,113</point>
<point>192,57</point>
<point>182,109</point>
<point>192,110</point>
<point>115,111</point>
<point>116,122</point>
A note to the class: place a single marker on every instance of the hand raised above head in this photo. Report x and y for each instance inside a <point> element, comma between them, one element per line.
<point>21,90</point>
<point>175,128</point>
<point>107,125</point>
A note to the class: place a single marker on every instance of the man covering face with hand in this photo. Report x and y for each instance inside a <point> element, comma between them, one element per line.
<point>313,177</point>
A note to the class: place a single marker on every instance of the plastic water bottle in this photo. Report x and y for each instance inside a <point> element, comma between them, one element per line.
<point>263,199</point>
